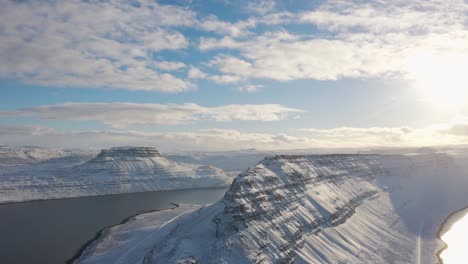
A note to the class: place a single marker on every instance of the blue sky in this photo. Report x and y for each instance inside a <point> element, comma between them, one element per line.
<point>215,75</point>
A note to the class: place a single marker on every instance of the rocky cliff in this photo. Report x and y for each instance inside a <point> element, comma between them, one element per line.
<point>131,152</point>
<point>315,209</point>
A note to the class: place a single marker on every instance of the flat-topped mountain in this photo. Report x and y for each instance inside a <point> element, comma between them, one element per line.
<point>112,171</point>
<point>137,152</point>
<point>309,209</point>
<point>146,165</point>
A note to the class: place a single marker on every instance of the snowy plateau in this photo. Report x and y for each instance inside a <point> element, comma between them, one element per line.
<point>31,173</point>
<point>346,208</point>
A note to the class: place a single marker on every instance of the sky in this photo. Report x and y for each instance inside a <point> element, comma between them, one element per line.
<point>225,75</point>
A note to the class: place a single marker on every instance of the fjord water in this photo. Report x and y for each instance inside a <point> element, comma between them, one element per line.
<point>53,231</point>
<point>456,239</point>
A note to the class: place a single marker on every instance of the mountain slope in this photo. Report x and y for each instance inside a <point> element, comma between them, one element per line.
<point>113,171</point>
<point>143,169</point>
<point>317,209</point>
<point>27,155</point>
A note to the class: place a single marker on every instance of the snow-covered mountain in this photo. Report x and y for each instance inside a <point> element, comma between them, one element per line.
<point>144,169</point>
<point>232,162</point>
<point>28,155</point>
<point>113,171</point>
<point>306,209</point>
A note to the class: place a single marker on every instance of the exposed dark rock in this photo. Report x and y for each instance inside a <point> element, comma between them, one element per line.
<point>141,152</point>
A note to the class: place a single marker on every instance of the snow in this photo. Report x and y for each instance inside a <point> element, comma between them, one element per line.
<point>310,209</point>
<point>130,241</point>
<point>113,171</point>
<point>26,155</point>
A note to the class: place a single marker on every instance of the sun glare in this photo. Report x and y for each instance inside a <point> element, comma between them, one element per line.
<point>456,240</point>
<point>442,78</point>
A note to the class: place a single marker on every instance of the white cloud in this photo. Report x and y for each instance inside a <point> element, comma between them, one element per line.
<point>238,29</point>
<point>373,136</point>
<point>227,139</point>
<point>213,43</point>
<point>453,132</point>
<point>196,73</point>
<point>277,58</point>
<point>124,115</point>
<point>225,78</point>
<point>355,39</point>
<point>91,44</point>
<point>170,65</point>
<point>243,28</point>
<point>383,17</point>
<point>208,139</point>
<point>261,6</point>
<point>458,127</point>
<point>113,44</point>
<point>163,40</point>
<point>250,88</point>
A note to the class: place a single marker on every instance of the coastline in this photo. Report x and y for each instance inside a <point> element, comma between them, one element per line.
<point>445,226</point>
<point>99,234</point>
<point>103,194</point>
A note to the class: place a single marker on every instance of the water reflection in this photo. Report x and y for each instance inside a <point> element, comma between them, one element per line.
<point>456,239</point>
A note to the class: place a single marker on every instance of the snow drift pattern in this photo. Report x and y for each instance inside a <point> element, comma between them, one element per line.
<point>311,209</point>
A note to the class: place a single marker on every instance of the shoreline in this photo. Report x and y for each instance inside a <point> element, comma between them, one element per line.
<point>99,233</point>
<point>443,228</point>
<point>108,194</point>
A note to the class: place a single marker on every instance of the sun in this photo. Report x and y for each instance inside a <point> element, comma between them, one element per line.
<point>441,78</point>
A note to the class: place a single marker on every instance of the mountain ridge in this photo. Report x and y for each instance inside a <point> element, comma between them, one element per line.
<point>315,209</point>
<point>112,171</point>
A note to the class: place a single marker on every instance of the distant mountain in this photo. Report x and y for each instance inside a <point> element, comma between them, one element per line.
<point>27,155</point>
<point>233,162</point>
<point>112,171</point>
<point>305,209</point>
<point>143,168</point>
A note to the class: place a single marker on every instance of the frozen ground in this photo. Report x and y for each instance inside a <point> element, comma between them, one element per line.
<point>306,209</point>
<point>129,242</point>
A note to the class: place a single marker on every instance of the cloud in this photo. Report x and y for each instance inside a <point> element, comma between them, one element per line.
<point>113,44</point>
<point>458,127</point>
<point>170,65</point>
<point>244,28</point>
<point>229,139</point>
<point>261,6</point>
<point>208,139</point>
<point>196,73</point>
<point>91,43</point>
<point>273,57</point>
<point>281,56</point>
<point>383,17</point>
<point>105,44</point>
<point>237,29</point>
<point>222,43</point>
<point>250,88</point>
<point>453,132</point>
<point>124,115</point>
<point>355,39</point>
<point>225,78</point>
<point>373,136</point>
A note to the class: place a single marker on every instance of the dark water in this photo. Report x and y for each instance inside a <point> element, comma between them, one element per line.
<point>53,231</point>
